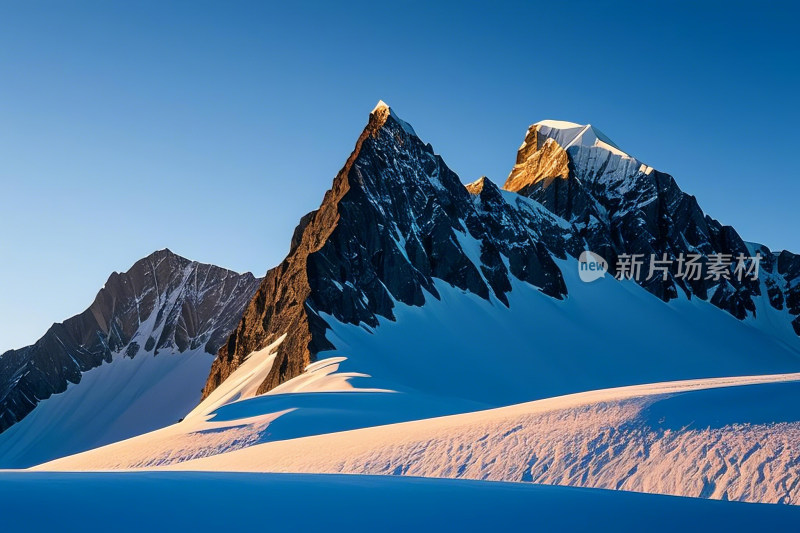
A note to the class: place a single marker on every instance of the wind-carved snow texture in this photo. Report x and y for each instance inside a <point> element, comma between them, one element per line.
<point>720,438</point>
<point>164,304</point>
<point>685,444</point>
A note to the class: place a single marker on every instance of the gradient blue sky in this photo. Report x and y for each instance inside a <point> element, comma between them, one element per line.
<point>211,127</point>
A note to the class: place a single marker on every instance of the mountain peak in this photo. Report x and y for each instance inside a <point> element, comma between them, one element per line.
<point>569,134</point>
<point>476,186</point>
<point>163,252</point>
<point>550,146</point>
<point>381,106</point>
<point>162,303</point>
<point>383,112</point>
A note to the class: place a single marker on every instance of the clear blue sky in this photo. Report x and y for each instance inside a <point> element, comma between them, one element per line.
<point>211,127</point>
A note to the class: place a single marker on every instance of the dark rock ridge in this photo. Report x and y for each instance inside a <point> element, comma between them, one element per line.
<point>783,282</point>
<point>618,205</point>
<point>397,218</point>
<point>164,303</point>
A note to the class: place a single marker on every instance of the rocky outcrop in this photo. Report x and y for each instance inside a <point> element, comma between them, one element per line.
<point>164,303</point>
<point>784,284</point>
<point>395,219</point>
<point>540,160</point>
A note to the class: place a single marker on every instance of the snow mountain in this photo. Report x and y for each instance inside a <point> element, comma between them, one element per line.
<point>164,314</point>
<point>618,205</point>
<point>397,221</point>
<point>420,326</point>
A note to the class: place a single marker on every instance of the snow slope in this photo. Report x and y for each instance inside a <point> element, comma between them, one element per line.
<point>114,401</point>
<point>569,134</point>
<point>242,384</point>
<point>134,361</point>
<point>302,502</point>
<point>463,353</point>
<point>723,438</point>
<point>605,334</point>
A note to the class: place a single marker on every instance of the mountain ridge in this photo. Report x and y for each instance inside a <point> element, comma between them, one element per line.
<point>620,205</point>
<point>163,302</point>
<point>364,249</point>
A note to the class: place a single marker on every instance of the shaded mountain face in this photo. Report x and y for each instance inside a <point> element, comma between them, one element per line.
<point>397,217</point>
<point>618,205</point>
<point>163,304</point>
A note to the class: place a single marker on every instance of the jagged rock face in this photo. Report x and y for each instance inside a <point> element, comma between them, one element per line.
<point>783,283</point>
<point>619,205</point>
<point>539,160</point>
<point>395,218</point>
<point>164,303</point>
<point>523,230</point>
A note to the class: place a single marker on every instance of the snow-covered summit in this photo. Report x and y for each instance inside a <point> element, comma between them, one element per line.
<point>569,134</point>
<point>384,110</point>
<point>380,106</point>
